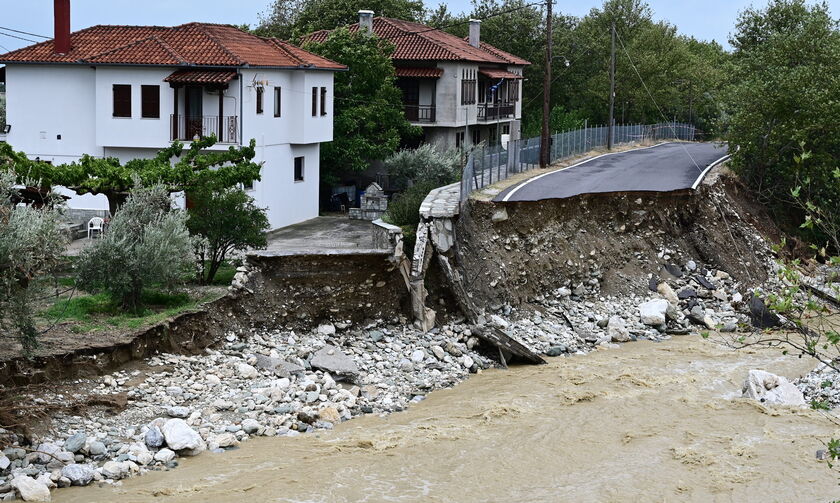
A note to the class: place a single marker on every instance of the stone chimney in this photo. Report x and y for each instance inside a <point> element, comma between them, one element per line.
<point>61,12</point>
<point>366,21</point>
<point>475,32</point>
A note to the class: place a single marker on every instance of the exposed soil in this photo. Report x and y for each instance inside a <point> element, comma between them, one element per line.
<point>611,243</point>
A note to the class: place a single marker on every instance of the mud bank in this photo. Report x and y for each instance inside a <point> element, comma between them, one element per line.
<point>610,243</point>
<point>647,421</point>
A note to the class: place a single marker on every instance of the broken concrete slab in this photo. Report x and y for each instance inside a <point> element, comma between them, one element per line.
<point>331,359</point>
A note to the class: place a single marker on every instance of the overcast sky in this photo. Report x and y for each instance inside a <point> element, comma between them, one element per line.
<point>704,19</point>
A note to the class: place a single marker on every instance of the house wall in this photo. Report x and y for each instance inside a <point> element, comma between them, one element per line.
<point>288,202</point>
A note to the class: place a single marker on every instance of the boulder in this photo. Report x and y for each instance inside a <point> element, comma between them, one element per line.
<point>275,365</point>
<point>499,215</point>
<point>617,329</point>
<point>246,371</point>
<point>154,437</point>
<point>250,426</point>
<point>326,329</point>
<point>114,470</point>
<point>178,411</point>
<point>667,293</point>
<point>79,475</point>
<point>165,455</point>
<point>31,489</point>
<point>772,389</point>
<point>329,414</point>
<point>652,312</point>
<point>180,437</point>
<point>331,359</point>
<point>761,316</point>
<point>75,442</point>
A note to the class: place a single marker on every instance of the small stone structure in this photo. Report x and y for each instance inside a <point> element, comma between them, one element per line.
<point>373,204</point>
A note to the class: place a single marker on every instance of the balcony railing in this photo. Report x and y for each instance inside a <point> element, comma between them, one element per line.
<point>419,113</point>
<point>495,111</point>
<point>188,127</point>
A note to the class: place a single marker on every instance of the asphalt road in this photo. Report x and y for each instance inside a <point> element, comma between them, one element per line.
<point>662,168</point>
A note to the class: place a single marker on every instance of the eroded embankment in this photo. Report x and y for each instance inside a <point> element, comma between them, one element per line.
<point>611,243</point>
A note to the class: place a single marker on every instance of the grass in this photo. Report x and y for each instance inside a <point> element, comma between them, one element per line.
<point>99,312</point>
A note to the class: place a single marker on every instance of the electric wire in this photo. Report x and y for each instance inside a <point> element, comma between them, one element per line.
<point>24,32</point>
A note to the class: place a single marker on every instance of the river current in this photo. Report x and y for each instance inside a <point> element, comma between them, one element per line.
<point>656,422</point>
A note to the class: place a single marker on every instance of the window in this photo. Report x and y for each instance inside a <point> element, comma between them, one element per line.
<point>150,102</point>
<point>468,87</point>
<point>277,101</point>
<point>249,185</point>
<point>323,101</point>
<point>122,100</point>
<point>260,91</point>
<point>476,136</point>
<point>459,139</point>
<point>298,169</point>
<point>513,91</point>
<point>314,101</point>
<point>482,93</point>
<point>506,129</point>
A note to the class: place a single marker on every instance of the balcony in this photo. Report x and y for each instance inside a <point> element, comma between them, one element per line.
<point>188,128</point>
<point>419,113</point>
<point>495,111</point>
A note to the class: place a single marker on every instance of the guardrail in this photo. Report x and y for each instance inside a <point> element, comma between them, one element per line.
<point>487,165</point>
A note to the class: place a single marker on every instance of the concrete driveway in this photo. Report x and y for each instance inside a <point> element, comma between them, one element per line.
<point>322,236</point>
<point>662,168</point>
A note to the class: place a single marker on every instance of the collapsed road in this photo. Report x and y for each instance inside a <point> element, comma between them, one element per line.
<point>664,167</point>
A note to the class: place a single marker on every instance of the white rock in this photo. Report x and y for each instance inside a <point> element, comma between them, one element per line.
<point>467,361</point>
<point>653,312</point>
<point>418,356</point>
<point>226,439</point>
<point>250,426</point>
<point>326,329</point>
<point>667,293</point>
<point>4,462</point>
<point>246,371</point>
<point>770,388</point>
<point>213,380</point>
<point>439,353</point>
<point>180,437</point>
<point>113,470</point>
<point>31,489</point>
<point>617,329</point>
<point>165,455</point>
<point>79,475</point>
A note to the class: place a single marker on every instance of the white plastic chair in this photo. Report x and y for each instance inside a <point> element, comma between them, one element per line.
<point>95,224</point>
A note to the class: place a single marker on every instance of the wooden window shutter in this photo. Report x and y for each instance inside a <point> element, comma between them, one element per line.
<point>150,102</point>
<point>122,100</point>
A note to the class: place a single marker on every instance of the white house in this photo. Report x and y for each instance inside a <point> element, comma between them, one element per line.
<point>128,91</point>
<point>460,91</point>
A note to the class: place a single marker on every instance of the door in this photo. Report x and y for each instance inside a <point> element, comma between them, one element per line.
<point>193,96</point>
<point>411,97</point>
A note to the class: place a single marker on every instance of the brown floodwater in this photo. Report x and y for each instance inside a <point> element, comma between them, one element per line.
<point>646,422</point>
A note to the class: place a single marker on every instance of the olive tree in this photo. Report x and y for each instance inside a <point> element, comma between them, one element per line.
<point>146,244</point>
<point>31,244</point>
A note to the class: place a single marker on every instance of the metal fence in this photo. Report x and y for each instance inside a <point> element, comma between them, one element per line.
<point>487,165</point>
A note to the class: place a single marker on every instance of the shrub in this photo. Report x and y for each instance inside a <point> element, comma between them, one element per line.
<point>424,164</point>
<point>147,243</point>
<point>404,209</point>
<point>224,221</point>
<point>31,244</point>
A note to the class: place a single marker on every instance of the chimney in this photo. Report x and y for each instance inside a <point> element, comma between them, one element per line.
<point>61,44</point>
<point>366,21</point>
<point>475,32</point>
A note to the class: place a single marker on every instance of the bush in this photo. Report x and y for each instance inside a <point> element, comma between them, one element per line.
<point>147,243</point>
<point>31,244</point>
<point>404,209</point>
<point>224,221</point>
<point>424,164</point>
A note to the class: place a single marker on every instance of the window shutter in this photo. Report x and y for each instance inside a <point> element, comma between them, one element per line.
<point>260,91</point>
<point>150,102</point>
<point>122,100</point>
<point>278,93</point>
<point>314,101</point>
<point>323,101</point>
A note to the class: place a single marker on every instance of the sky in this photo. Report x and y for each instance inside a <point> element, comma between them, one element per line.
<point>703,19</point>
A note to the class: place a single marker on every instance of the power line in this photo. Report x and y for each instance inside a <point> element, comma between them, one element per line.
<point>24,32</point>
<point>19,38</point>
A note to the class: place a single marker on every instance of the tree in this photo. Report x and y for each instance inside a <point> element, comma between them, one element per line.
<point>784,94</point>
<point>224,221</point>
<point>31,244</point>
<point>369,122</point>
<point>424,164</point>
<point>147,244</point>
<point>177,168</point>
<point>291,19</point>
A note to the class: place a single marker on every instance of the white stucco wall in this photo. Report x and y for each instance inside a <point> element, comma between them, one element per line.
<point>288,202</point>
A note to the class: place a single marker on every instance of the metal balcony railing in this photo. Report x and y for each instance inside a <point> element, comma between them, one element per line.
<point>189,127</point>
<point>495,111</point>
<point>419,113</point>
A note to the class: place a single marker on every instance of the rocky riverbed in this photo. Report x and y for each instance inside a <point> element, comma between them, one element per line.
<point>283,383</point>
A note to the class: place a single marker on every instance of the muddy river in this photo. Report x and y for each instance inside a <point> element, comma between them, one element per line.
<point>646,422</point>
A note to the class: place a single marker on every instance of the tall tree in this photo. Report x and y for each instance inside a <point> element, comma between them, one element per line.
<point>291,19</point>
<point>369,122</point>
<point>786,81</point>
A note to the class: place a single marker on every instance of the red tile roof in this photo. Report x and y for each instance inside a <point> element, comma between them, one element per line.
<point>417,42</point>
<point>192,44</point>
<point>496,73</point>
<point>433,73</point>
<point>201,77</point>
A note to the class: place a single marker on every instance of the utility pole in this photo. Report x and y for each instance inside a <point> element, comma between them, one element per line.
<point>545,137</point>
<point>612,90</point>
